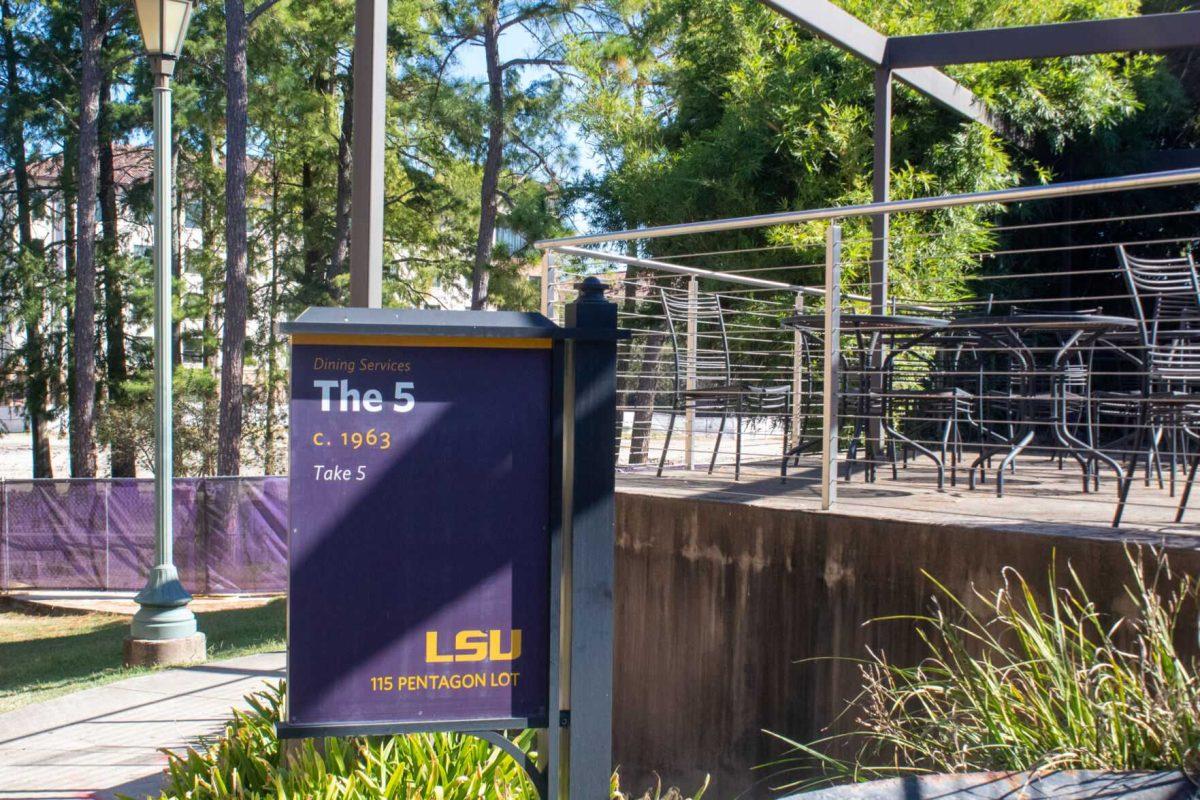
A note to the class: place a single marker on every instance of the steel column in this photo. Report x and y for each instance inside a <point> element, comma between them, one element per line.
<point>163,612</point>
<point>552,742</point>
<point>366,192</point>
<point>689,415</point>
<point>797,376</point>
<point>164,428</point>
<point>591,398</point>
<point>881,182</point>
<point>829,392</point>
<point>881,189</point>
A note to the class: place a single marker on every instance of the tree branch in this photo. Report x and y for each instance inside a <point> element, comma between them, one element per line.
<point>529,13</point>
<point>532,62</point>
<point>545,165</point>
<point>262,8</point>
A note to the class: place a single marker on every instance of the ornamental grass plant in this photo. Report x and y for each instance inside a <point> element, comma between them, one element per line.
<point>247,763</point>
<point>1025,685</point>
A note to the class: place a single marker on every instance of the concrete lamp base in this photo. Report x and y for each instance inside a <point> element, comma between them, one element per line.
<point>165,652</point>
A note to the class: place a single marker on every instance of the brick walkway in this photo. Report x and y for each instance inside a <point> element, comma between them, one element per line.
<point>97,742</point>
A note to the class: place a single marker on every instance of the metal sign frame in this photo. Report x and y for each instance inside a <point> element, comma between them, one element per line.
<point>575,739</point>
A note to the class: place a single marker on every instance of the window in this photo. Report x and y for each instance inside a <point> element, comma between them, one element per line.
<point>193,213</point>
<point>509,239</point>
<point>191,346</point>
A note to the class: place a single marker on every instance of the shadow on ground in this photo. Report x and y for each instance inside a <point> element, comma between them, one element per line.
<point>51,651</point>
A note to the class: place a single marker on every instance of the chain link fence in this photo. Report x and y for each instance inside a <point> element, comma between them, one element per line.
<point>230,534</point>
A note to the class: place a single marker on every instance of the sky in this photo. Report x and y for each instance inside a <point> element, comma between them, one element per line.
<point>518,43</point>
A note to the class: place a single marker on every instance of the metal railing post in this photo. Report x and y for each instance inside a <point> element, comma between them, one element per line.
<point>689,417</point>
<point>107,497</point>
<point>829,392</point>
<point>551,286</point>
<point>797,376</point>
<point>546,282</point>
<point>4,511</point>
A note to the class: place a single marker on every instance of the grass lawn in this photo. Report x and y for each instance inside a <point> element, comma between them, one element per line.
<point>48,653</point>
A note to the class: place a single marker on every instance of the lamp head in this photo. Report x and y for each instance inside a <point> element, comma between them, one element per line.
<point>164,25</point>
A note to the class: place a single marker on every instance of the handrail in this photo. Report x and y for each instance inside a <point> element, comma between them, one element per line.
<point>1146,180</point>
<point>730,277</point>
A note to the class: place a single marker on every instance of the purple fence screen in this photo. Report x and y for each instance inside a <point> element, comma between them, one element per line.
<point>230,534</point>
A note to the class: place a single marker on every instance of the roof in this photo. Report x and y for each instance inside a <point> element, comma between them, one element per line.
<point>416,322</point>
<point>131,165</point>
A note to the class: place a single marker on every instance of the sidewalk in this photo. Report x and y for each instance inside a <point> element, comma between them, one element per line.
<point>117,602</point>
<point>95,743</point>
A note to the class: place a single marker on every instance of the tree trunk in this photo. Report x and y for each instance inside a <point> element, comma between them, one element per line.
<point>272,344</point>
<point>83,385</point>
<point>341,223</point>
<point>642,399</point>
<point>233,342</point>
<point>31,254</point>
<point>639,394</point>
<point>123,456</point>
<point>313,289</point>
<point>494,160</point>
<point>69,186</point>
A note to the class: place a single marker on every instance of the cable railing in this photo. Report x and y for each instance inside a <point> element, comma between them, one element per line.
<point>1051,378</point>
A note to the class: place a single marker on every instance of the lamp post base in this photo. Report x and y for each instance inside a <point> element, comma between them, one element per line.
<point>164,614</point>
<point>165,652</point>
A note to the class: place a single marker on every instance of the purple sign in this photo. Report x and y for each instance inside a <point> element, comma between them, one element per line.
<point>419,520</point>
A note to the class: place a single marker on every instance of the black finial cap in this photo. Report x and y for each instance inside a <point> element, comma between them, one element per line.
<point>591,290</point>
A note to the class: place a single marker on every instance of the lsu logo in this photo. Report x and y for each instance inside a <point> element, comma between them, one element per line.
<point>474,645</point>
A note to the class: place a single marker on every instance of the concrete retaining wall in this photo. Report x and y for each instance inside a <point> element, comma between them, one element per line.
<point>717,602</point>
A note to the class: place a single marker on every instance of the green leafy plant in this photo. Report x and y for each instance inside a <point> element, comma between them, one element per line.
<point>248,762</point>
<point>1026,685</point>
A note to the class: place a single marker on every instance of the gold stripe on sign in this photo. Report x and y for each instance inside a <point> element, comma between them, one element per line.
<point>368,340</point>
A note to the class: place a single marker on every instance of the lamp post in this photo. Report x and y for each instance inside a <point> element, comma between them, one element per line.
<point>164,628</point>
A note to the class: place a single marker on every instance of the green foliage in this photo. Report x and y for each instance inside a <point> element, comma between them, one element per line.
<point>248,763</point>
<point>51,652</point>
<point>1027,684</point>
<point>195,409</point>
<point>709,109</point>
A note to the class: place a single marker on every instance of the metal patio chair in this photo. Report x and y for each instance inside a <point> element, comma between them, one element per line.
<point>715,390</point>
<point>931,398</point>
<point>1171,400</point>
<point>776,401</point>
<point>1165,295</point>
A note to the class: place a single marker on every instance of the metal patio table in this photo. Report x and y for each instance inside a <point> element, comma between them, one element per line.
<point>1011,333</point>
<point>903,332</point>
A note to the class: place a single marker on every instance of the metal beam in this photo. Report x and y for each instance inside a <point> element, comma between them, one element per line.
<point>854,36</point>
<point>949,93</point>
<point>835,25</point>
<point>366,190</point>
<point>1151,32</point>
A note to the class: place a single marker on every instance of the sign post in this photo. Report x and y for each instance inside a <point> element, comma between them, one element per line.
<point>451,526</point>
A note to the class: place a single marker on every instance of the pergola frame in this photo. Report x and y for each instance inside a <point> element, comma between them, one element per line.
<point>913,61</point>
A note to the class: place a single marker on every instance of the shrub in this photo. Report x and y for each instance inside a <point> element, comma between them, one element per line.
<point>247,763</point>
<point>1025,687</point>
